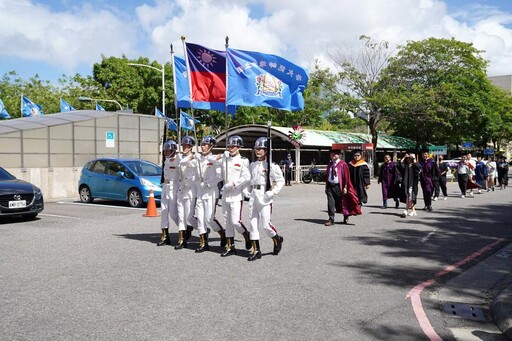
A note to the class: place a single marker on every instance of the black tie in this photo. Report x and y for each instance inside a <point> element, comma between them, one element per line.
<point>333,172</point>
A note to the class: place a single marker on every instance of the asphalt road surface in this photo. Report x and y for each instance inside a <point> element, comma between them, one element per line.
<point>93,272</point>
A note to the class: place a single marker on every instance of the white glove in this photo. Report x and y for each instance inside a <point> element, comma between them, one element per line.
<point>225,154</point>
<point>228,187</point>
<point>268,195</point>
<point>205,185</point>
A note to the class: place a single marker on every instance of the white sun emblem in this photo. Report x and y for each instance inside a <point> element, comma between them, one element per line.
<point>206,58</point>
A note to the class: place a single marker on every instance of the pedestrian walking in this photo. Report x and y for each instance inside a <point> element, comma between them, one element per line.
<point>288,165</point>
<point>440,181</point>
<point>389,178</point>
<point>341,195</point>
<point>481,173</point>
<point>359,176</point>
<point>263,190</point>
<point>207,194</point>
<point>236,175</point>
<point>502,167</point>
<point>168,198</point>
<point>491,173</point>
<point>429,172</point>
<point>410,171</point>
<point>187,192</point>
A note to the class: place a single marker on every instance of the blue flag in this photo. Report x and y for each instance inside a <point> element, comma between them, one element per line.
<point>187,122</point>
<point>263,80</point>
<point>158,113</point>
<point>182,92</point>
<point>29,108</point>
<point>65,106</point>
<point>171,125</point>
<point>99,107</point>
<point>3,111</point>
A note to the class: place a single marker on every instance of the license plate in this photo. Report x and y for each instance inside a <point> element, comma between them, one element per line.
<point>18,204</point>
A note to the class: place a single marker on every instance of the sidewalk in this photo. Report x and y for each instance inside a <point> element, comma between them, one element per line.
<point>483,295</point>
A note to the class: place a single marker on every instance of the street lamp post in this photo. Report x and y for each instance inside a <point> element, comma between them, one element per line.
<point>162,71</point>
<point>89,99</point>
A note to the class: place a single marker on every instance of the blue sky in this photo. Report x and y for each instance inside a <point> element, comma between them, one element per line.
<point>58,37</point>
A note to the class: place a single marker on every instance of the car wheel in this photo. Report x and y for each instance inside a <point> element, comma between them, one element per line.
<point>135,198</point>
<point>85,195</point>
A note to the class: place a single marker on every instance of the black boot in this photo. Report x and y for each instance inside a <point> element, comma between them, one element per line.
<point>230,247</point>
<point>203,243</point>
<point>164,238</point>
<point>248,243</point>
<point>256,253</point>
<point>222,234</point>
<point>278,244</point>
<point>182,243</point>
<point>188,234</point>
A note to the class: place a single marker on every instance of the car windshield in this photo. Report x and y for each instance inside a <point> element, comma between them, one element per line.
<point>143,168</point>
<point>5,175</point>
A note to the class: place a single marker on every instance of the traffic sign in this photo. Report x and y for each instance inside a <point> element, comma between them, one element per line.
<point>110,139</point>
<point>467,144</point>
<point>438,150</point>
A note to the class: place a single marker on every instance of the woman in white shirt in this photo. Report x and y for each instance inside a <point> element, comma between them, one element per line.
<point>492,173</point>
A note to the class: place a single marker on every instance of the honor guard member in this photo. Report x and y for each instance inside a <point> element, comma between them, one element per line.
<point>187,191</point>
<point>260,202</point>
<point>208,194</point>
<point>235,173</point>
<point>169,190</point>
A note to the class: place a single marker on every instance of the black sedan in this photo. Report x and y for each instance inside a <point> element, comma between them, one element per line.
<point>18,197</point>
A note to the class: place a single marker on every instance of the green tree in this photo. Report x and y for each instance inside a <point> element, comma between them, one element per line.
<point>437,91</point>
<point>359,84</point>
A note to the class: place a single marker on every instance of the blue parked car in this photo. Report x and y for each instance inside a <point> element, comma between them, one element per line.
<point>127,180</point>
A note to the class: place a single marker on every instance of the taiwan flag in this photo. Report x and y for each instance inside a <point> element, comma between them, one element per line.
<point>207,73</point>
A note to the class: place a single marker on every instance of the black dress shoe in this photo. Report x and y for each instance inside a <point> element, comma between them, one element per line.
<point>203,248</point>
<point>255,256</point>
<point>397,203</point>
<point>180,246</point>
<point>231,251</point>
<point>278,246</point>
<point>188,234</point>
<point>166,241</point>
<point>345,220</point>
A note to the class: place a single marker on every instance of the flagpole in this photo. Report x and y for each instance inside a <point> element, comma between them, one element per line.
<point>175,98</point>
<point>192,106</point>
<point>226,116</point>
<point>21,105</point>
<point>269,154</point>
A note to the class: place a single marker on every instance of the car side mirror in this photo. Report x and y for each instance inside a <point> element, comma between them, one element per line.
<point>120,174</point>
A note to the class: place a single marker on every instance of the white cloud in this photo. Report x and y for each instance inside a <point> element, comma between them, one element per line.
<point>300,30</point>
<point>32,32</point>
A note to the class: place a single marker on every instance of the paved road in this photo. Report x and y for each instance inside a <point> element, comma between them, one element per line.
<point>93,272</point>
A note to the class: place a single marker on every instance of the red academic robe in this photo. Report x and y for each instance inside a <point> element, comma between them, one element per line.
<point>348,205</point>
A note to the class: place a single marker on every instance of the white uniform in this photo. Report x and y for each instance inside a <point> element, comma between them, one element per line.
<point>207,193</point>
<point>187,192</point>
<point>260,202</point>
<point>236,179</point>
<point>168,201</point>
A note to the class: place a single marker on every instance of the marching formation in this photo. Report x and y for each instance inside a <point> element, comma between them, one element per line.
<point>191,191</point>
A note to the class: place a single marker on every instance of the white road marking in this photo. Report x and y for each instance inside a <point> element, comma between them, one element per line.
<point>58,216</point>
<point>98,205</point>
<point>427,237</point>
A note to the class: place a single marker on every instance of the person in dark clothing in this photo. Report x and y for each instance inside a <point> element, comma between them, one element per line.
<point>440,181</point>
<point>341,196</point>
<point>360,176</point>
<point>288,165</point>
<point>502,167</point>
<point>389,178</point>
<point>429,171</point>
<point>410,171</point>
